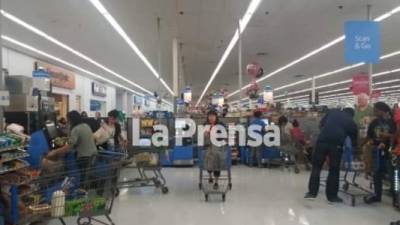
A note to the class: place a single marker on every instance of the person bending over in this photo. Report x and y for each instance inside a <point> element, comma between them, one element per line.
<point>81,141</point>
<point>335,127</point>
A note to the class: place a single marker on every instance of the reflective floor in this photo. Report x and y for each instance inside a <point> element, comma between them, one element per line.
<point>258,197</point>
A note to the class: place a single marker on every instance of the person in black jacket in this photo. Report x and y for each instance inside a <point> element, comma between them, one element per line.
<point>335,127</point>
<point>380,134</point>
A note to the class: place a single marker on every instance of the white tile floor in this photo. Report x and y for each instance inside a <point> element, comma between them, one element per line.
<point>258,197</point>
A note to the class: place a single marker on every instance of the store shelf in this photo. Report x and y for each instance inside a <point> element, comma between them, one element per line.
<point>22,164</point>
<point>21,148</point>
<point>16,158</point>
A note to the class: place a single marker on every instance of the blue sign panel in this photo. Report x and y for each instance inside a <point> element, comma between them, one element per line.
<point>40,73</point>
<point>363,42</point>
<point>95,105</point>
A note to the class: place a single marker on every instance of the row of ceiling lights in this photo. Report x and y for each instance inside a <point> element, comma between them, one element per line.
<point>117,27</point>
<point>318,50</point>
<point>251,9</point>
<point>66,63</point>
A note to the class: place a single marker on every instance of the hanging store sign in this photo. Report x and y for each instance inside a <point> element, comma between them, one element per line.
<point>40,73</point>
<point>4,98</point>
<point>187,95</point>
<point>268,94</point>
<point>137,100</point>
<point>360,84</point>
<point>99,89</point>
<point>59,77</point>
<point>363,42</point>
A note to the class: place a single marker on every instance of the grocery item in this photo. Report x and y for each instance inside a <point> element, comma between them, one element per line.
<point>58,204</point>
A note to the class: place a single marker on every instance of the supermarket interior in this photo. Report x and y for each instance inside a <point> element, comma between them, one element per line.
<point>191,112</point>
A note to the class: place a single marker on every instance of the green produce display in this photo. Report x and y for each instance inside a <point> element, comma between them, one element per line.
<point>77,206</point>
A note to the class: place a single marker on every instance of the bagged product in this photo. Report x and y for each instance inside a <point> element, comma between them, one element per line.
<point>103,134</point>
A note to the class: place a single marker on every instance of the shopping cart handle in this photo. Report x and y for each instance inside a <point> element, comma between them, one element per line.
<point>105,152</point>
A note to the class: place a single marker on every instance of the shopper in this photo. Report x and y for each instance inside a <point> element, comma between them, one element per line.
<point>256,152</point>
<point>214,157</point>
<point>110,136</point>
<point>80,141</point>
<point>363,116</point>
<point>287,145</point>
<point>98,117</point>
<point>336,125</point>
<point>297,134</point>
<point>84,115</point>
<point>380,134</point>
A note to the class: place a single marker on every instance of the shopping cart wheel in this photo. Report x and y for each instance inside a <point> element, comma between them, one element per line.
<point>206,197</point>
<point>164,190</point>
<point>296,170</point>
<point>84,221</point>
<point>223,197</point>
<point>353,201</point>
<point>116,194</point>
<point>345,186</point>
<point>157,183</point>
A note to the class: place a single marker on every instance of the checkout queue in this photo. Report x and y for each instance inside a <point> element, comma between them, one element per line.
<point>77,138</point>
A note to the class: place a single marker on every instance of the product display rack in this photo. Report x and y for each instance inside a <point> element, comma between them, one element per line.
<point>12,164</point>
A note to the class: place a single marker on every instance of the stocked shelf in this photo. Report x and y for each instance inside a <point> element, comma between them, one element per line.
<point>12,148</point>
<point>20,154</point>
<point>18,164</point>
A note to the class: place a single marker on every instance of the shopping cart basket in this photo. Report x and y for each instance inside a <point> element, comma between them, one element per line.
<point>148,164</point>
<point>83,188</point>
<point>352,168</point>
<point>225,177</point>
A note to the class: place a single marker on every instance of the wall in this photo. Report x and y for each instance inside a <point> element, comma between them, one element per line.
<point>20,64</point>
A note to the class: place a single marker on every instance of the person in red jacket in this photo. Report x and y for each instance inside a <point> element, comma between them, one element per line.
<point>297,133</point>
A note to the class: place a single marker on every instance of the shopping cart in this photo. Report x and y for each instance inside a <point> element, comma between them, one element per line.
<point>83,188</point>
<point>225,178</point>
<point>353,167</point>
<point>148,164</point>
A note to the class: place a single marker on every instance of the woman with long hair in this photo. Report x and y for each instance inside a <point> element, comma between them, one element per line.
<point>214,157</point>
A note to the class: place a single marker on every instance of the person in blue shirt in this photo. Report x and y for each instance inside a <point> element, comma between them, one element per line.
<point>334,128</point>
<point>256,152</point>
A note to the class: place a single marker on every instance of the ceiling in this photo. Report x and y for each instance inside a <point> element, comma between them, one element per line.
<point>284,30</point>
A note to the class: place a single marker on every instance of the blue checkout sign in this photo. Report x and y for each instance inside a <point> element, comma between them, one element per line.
<point>363,42</point>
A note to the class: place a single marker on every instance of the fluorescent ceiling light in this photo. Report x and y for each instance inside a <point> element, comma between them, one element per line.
<point>68,48</point>
<point>318,50</point>
<point>103,11</point>
<point>47,55</point>
<point>251,9</point>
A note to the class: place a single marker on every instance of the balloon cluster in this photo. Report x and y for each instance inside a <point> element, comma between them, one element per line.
<point>254,70</point>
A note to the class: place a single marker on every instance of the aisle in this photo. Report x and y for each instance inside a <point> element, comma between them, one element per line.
<point>259,197</point>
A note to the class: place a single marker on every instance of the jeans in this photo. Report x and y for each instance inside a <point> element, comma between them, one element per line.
<point>334,152</point>
<point>379,169</point>
<point>256,156</point>
<point>84,165</point>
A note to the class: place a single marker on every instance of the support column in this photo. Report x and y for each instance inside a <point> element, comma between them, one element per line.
<point>175,70</point>
<point>370,67</point>
<point>2,85</point>
<point>313,91</point>
<point>240,69</point>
